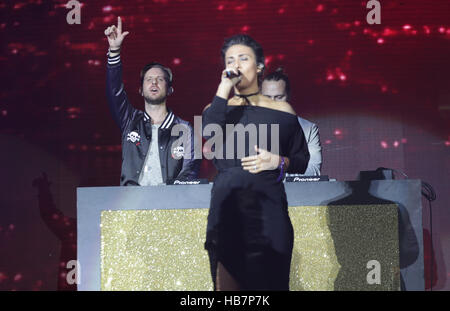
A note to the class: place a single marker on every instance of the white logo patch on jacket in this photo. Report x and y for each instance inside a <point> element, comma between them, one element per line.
<point>178,152</point>
<point>133,136</point>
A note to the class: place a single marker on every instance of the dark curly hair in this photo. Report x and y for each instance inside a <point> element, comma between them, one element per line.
<point>247,41</point>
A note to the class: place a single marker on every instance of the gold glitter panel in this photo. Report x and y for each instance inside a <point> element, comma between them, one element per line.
<point>163,249</point>
<point>154,250</point>
<point>334,244</point>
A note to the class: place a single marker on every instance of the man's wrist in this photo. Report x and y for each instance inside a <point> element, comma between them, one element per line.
<point>113,51</point>
<point>113,58</point>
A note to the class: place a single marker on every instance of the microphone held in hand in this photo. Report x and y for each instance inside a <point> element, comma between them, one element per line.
<point>231,74</point>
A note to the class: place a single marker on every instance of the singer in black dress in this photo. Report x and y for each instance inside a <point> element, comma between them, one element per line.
<point>249,235</point>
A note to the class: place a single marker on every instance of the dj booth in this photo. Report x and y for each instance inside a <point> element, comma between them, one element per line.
<point>357,235</point>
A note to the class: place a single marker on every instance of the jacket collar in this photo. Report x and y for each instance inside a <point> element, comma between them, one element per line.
<point>168,121</point>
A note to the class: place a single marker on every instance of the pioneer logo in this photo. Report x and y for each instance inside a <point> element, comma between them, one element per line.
<point>306,179</point>
<point>179,182</point>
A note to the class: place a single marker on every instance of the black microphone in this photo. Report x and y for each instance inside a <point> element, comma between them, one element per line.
<point>231,74</point>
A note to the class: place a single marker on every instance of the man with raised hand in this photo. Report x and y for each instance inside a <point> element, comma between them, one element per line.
<point>150,154</point>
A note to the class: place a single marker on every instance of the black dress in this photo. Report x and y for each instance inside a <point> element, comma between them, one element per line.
<point>249,230</point>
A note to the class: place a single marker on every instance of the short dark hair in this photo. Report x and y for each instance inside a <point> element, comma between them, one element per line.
<point>279,75</point>
<point>167,72</point>
<point>247,41</point>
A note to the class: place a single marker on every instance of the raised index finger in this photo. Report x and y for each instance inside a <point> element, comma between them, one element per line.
<point>119,24</point>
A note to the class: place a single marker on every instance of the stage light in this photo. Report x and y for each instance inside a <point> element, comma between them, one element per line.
<point>268,60</point>
<point>3,277</point>
<point>18,6</point>
<point>18,277</point>
<point>73,110</point>
<point>388,32</point>
<point>241,7</point>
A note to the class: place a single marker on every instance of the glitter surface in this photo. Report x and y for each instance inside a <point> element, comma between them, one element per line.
<point>333,244</point>
<point>163,249</point>
<point>154,250</point>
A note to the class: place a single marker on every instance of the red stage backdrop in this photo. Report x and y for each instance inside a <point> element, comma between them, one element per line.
<point>380,95</point>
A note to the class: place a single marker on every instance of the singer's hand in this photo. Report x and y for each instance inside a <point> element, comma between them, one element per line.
<point>115,35</point>
<point>263,161</point>
<point>226,84</point>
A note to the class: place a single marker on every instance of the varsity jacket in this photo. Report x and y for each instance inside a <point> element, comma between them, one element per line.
<point>136,128</point>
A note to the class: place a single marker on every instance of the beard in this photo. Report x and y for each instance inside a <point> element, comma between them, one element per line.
<point>155,101</point>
